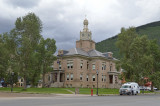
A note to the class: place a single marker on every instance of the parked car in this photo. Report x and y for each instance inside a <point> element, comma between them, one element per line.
<point>1,85</point>
<point>142,88</point>
<point>129,88</point>
<point>156,89</point>
<point>147,88</point>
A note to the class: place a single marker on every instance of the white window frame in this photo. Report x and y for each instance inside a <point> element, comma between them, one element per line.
<point>87,79</point>
<point>93,77</point>
<point>67,77</point>
<point>93,66</point>
<point>81,77</point>
<point>71,76</point>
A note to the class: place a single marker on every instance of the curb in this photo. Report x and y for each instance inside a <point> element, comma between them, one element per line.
<point>108,95</point>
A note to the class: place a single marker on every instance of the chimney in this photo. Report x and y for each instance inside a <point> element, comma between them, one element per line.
<point>110,54</point>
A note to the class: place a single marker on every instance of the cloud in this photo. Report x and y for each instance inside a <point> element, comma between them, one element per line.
<point>22,3</point>
<point>63,19</point>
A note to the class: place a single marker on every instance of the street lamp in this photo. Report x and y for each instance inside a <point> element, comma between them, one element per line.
<point>143,85</point>
<point>97,81</point>
<point>12,74</point>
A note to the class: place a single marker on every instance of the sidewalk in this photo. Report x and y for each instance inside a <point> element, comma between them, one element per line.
<point>9,94</point>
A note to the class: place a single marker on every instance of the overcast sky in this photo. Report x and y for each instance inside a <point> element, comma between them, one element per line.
<point>63,19</point>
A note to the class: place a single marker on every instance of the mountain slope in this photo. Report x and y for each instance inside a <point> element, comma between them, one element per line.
<point>152,30</point>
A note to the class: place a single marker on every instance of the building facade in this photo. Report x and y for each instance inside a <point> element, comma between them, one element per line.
<point>83,66</point>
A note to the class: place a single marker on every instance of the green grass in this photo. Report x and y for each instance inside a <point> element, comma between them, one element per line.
<point>62,90</point>
<point>101,91</point>
<point>39,90</point>
<point>147,91</point>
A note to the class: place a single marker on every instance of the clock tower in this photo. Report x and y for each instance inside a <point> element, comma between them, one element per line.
<point>86,43</point>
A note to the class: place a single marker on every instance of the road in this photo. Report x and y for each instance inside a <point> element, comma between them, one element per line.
<point>139,100</point>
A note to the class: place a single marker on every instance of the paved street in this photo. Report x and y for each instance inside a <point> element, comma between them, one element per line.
<point>139,100</point>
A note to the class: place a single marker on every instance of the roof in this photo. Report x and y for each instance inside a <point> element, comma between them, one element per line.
<point>95,53</point>
<point>91,53</point>
<point>77,51</point>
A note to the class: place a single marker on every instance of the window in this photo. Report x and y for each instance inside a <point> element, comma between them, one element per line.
<point>87,65</point>
<point>110,68</point>
<point>67,76</point>
<point>71,76</point>
<point>81,77</point>
<point>69,64</point>
<point>21,80</point>
<point>110,79</point>
<point>93,77</point>
<point>102,78</point>
<point>93,66</point>
<point>81,65</point>
<point>87,78</point>
<point>59,66</point>
<point>104,66</point>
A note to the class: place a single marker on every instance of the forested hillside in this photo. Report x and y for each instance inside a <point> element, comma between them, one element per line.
<point>152,30</point>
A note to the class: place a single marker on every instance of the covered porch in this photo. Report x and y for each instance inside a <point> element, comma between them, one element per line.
<point>114,81</point>
<point>57,78</point>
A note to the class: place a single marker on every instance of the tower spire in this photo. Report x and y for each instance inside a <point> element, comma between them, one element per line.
<point>85,23</point>
<point>85,34</point>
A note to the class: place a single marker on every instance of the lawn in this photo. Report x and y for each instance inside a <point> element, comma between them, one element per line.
<point>100,91</point>
<point>64,90</point>
<point>39,90</point>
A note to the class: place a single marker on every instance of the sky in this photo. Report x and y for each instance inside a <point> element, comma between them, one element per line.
<point>63,19</point>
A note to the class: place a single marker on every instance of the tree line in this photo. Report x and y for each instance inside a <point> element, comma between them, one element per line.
<point>25,52</point>
<point>141,57</point>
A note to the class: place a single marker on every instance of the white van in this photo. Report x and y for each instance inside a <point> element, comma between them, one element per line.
<point>129,88</point>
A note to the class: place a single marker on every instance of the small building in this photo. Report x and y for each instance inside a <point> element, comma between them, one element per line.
<point>80,66</point>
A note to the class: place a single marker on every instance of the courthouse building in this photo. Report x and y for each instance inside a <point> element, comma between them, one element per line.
<point>78,67</point>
